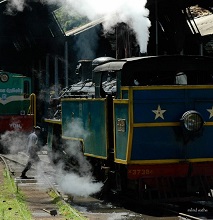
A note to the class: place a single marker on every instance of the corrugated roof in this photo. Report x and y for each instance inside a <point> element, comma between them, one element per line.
<point>205,24</point>
<point>85,27</point>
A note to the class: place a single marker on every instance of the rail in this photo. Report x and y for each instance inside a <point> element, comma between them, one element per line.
<point>47,181</point>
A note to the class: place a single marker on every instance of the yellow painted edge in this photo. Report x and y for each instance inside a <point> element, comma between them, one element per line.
<point>142,162</point>
<point>165,87</point>
<point>82,99</point>
<point>164,124</point>
<point>95,156</point>
<point>72,138</point>
<point>53,121</point>
<point>161,124</point>
<point>130,133</point>
<point>120,161</point>
<point>121,101</point>
<point>208,123</point>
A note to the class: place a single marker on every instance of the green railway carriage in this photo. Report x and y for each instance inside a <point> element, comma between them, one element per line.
<point>17,103</point>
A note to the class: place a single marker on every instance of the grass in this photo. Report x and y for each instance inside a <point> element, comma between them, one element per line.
<point>12,203</point>
<point>65,210</point>
<point>13,206</point>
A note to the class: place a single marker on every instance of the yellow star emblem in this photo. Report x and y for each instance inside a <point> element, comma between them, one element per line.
<point>159,112</point>
<point>211,112</point>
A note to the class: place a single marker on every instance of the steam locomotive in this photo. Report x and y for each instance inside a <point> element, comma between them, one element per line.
<point>17,103</point>
<point>146,124</point>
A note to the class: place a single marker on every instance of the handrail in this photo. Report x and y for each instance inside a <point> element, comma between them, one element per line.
<point>32,107</point>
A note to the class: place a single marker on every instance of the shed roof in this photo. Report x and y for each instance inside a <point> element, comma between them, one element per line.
<point>205,24</point>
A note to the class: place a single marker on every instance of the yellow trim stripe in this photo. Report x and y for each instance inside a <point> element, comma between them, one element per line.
<point>131,130</point>
<point>95,156</point>
<point>121,101</point>
<point>72,139</point>
<point>120,161</point>
<point>169,161</point>
<point>142,162</point>
<point>53,121</point>
<point>83,99</point>
<point>165,87</point>
<point>162,124</point>
<point>208,123</point>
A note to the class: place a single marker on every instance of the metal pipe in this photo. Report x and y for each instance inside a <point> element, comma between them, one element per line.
<point>201,49</point>
<point>47,86</point>
<point>47,70</point>
<point>56,76</point>
<point>156,26</point>
<point>66,63</point>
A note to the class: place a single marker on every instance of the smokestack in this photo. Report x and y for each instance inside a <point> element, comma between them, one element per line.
<point>84,69</point>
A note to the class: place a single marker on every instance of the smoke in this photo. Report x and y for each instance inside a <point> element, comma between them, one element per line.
<point>132,13</point>
<point>86,44</point>
<point>13,141</point>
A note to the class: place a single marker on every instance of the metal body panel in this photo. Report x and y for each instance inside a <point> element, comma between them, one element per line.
<point>85,119</point>
<point>121,135</point>
<point>153,131</point>
<point>12,94</point>
<point>22,123</point>
<point>15,103</point>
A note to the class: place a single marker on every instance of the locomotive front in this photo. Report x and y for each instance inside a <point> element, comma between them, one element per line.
<point>162,117</point>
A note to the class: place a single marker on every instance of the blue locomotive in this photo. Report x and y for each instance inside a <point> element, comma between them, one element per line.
<point>144,123</point>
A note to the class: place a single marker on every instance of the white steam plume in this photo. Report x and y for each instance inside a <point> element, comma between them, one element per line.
<point>75,129</point>
<point>76,185</point>
<point>131,12</point>
<point>13,141</point>
<point>78,181</point>
<point>15,5</point>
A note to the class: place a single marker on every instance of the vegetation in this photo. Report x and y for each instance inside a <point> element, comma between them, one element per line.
<point>69,19</point>
<point>12,203</point>
<point>13,206</point>
<point>65,209</point>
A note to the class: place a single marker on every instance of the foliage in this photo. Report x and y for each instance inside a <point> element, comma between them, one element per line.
<point>69,19</point>
<point>65,209</point>
<point>12,205</point>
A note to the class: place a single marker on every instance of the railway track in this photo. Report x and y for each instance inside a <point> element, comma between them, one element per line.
<point>4,171</point>
<point>192,210</point>
<point>91,208</point>
<point>36,192</point>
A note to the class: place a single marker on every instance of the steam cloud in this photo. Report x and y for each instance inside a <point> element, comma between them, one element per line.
<point>79,185</point>
<point>13,141</point>
<point>79,180</point>
<point>132,13</point>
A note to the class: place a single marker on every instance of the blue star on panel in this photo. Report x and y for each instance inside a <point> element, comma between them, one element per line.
<point>159,112</point>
